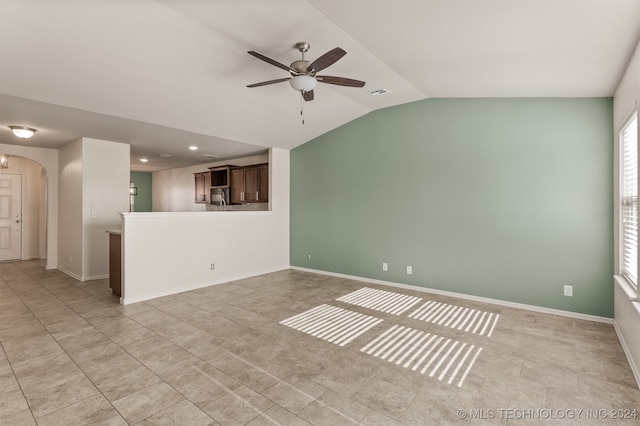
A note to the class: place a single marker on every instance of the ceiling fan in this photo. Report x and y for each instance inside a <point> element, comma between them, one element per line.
<point>303,73</point>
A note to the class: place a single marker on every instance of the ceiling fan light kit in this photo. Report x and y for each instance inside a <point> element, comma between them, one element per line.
<point>303,73</point>
<point>303,83</point>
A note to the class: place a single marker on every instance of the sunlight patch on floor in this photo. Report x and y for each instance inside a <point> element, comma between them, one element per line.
<point>457,317</point>
<point>332,324</point>
<point>380,300</point>
<point>427,353</point>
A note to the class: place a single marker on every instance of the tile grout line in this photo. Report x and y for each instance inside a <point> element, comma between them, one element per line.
<point>17,381</point>
<point>293,387</point>
<point>79,367</point>
<point>66,353</point>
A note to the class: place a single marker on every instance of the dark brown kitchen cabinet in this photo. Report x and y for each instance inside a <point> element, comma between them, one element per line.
<point>115,262</point>
<point>250,184</point>
<point>203,187</point>
<point>236,192</point>
<point>263,183</point>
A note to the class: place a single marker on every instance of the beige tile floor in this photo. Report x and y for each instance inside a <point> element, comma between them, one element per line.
<point>71,355</point>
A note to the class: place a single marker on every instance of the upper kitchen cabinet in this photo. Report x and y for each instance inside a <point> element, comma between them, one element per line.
<point>203,185</point>
<point>250,184</point>
<point>263,183</point>
<point>236,192</point>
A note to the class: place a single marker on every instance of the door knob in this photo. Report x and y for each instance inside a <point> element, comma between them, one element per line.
<point>17,221</point>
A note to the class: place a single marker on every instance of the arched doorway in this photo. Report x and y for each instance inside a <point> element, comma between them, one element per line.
<point>28,209</point>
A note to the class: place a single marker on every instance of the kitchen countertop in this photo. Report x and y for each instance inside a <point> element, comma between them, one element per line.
<point>238,207</point>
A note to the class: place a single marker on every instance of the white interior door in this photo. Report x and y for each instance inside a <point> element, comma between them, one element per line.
<point>10,216</point>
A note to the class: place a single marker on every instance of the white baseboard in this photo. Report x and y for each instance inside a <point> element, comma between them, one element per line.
<point>129,300</point>
<point>534,308</point>
<point>71,274</point>
<point>627,352</point>
<point>96,277</point>
<point>82,279</point>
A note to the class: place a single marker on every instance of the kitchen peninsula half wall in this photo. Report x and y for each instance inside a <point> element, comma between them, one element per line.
<point>171,252</point>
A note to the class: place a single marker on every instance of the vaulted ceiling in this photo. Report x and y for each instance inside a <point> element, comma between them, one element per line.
<point>165,74</point>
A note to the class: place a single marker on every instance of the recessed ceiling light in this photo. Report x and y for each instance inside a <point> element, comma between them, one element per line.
<point>379,92</point>
<point>144,160</point>
<point>193,148</point>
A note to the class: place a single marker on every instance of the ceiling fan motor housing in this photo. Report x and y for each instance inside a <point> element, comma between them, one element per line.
<point>300,67</point>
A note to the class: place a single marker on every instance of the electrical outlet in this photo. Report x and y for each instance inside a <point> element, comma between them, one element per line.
<point>568,290</point>
<point>409,270</point>
<point>213,266</point>
<point>385,266</point>
<point>309,255</point>
<point>70,259</point>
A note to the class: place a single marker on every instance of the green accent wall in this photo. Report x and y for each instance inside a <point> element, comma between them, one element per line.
<point>508,199</point>
<point>143,181</point>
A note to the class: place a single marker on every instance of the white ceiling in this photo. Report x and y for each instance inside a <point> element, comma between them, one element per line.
<point>165,74</point>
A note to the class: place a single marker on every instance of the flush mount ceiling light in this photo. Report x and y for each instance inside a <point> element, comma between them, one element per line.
<point>22,132</point>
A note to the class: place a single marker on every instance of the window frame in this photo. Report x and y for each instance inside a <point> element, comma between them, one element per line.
<point>621,203</point>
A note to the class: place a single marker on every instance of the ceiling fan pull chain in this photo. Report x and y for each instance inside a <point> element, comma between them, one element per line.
<point>302,107</point>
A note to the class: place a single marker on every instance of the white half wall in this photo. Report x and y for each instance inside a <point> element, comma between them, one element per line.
<point>172,252</point>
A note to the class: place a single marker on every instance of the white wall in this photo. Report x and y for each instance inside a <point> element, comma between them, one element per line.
<point>626,311</point>
<point>31,210</point>
<point>70,218</point>
<point>171,252</point>
<point>42,226</point>
<point>94,189</point>
<point>48,159</point>
<point>173,190</point>
<point>105,194</point>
